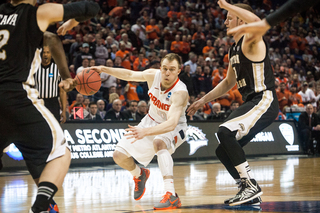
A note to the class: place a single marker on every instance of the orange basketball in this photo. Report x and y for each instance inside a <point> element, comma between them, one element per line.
<point>88,82</point>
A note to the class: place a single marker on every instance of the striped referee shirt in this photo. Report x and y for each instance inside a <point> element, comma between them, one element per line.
<point>47,79</point>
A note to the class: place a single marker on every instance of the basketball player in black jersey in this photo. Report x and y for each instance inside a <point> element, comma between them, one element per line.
<point>23,118</point>
<point>250,69</point>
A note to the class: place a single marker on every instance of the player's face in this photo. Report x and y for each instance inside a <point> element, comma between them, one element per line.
<point>169,72</point>
<point>231,21</point>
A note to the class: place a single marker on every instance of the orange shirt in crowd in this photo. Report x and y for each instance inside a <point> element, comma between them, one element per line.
<point>207,49</point>
<point>214,72</point>
<point>172,14</point>
<point>132,93</point>
<point>226,58</point>
<point>137,62</point>
<point>153,35</point>
<point>125,63</point>
<point>293,42</point>
<point>237,95</point>
<point>217,79</point>
<point>195,36</point>
<point>176,47</point>
<point>185,47</point>
<point>295,99</point>
<point>112,3</point>
<point>283,99</point>
<point>226,102</point>
<point>116,12</point>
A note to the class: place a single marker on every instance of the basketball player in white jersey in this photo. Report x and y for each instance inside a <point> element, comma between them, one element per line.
<point>160,132</point>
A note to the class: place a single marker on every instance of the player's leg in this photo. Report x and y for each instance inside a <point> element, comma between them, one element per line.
<point>164,146</point>
<point>40,139</point>
<point>247,120</point>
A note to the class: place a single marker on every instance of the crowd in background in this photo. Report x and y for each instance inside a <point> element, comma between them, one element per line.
<point>136,34</point>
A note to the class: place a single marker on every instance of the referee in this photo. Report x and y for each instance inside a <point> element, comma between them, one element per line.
<point>47,80</point>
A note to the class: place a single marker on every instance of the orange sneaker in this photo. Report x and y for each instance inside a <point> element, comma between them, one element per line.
<point>168,202</point>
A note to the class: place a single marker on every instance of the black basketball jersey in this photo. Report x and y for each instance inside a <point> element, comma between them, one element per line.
<point>252,77</point>
<point>20,43</point>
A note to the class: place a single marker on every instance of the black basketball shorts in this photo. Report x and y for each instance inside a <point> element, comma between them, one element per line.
<point>26,122</point>
<point>253,116</point>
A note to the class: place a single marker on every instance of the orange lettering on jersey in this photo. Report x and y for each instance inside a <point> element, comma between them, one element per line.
<point>158,103</point>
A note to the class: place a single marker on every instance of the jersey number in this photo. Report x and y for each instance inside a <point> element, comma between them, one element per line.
<point>4,37</point>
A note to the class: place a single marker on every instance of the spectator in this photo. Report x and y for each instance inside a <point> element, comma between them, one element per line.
<point>131,112</point>
<point>101,53</point>
<point>131,91</point>
<point>234,105</point>
<point>140,63</point>
<point>152,30</point>
<point>79,100</point>
<point>161,11</point>
<point>85,64</point>
<point>208,49</point>
<point>216,114</point>
<point>124,55</point>
<point>84,54</point>
<point>142,110</point>
<point>294,98</point>
<point>283,96</point>
<point>218,77</point>
<point>114,114</point>
<point>176,45</point>
<point>192,63</point>
<point>93,115</point>
<point>101,108</point>
<point>226,100</point>
<point>309,129</point>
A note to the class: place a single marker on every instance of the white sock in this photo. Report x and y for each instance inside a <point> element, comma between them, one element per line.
<point>136,172</point>
<point>169,186</point>
<point>244,170</point>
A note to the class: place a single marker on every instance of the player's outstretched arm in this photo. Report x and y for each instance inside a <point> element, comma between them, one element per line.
<point>127,75</point>
<point>243,14</point>
<point>287,10</point>
<point>79,11</point>
<point>224,86</point>
<point>179,101</point>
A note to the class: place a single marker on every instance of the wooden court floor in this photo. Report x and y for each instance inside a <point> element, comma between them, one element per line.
<point>290,184</point>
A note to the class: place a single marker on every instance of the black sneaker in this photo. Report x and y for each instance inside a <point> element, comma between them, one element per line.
<point>249,190</point>
<point>254,202</point>
<point>1,154</point>
<point>140,183</point>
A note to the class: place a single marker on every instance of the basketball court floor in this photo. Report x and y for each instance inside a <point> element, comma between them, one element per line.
<point>289,183</point>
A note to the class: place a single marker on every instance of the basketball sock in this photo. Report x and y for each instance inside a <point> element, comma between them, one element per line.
<point>244,170</point>
<point>136,172</point>
<point>46,191</point>
<point>169,186</point>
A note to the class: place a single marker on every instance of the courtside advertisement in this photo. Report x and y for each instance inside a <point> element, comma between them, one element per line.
<point>95,142</point>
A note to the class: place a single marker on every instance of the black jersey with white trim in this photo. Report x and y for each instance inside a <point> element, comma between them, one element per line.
<point>252,77</point>
<point>20,41</point>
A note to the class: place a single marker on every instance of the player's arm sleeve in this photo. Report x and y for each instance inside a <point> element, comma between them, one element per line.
<point>80,11</point>
<point>289,9</point>
<point>55,45</point>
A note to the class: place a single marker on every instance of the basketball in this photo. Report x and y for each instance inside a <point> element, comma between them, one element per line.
<point>88,82</point>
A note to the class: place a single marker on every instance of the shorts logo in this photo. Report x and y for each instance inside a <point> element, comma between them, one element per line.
<point>242,127</point>
<point>196,138</point>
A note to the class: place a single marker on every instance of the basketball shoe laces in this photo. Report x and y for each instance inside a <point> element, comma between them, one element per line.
<point>165,197</point>
<point>136,182</point>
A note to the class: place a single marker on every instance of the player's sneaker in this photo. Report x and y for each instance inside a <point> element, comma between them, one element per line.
<point>248,191</point>
<point>140,183</point>
<point>1,154</point>
<point>30,211</point>
<point>53,207</point>
<point>168,202</point>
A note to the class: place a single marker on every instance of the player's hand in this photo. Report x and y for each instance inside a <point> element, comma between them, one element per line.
<point>68,84</point>
<point>98,69</point>
<point>223,4</point>
<point>63,117</point>
<point>68,25</point>
<point>195,106</point>
<point>255,29</point>
<point>135,132</point>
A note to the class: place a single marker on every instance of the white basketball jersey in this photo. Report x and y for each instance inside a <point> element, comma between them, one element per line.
<point>160,101</point>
